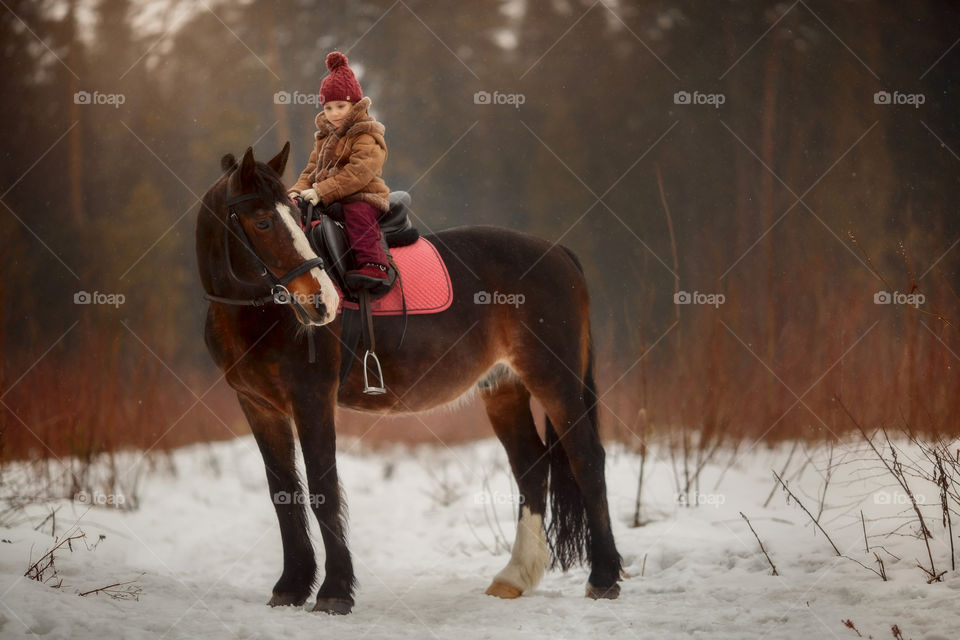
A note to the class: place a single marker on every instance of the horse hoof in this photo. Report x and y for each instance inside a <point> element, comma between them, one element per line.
<point>334,606</point>
<point>503,590</point>
<point>607,593</point>
<point>285,600</point>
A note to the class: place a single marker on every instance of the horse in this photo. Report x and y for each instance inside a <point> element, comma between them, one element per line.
<point>250,246</point>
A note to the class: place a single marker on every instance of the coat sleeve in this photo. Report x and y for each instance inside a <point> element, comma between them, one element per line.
<point>304,181</point>
<point>366,162</point>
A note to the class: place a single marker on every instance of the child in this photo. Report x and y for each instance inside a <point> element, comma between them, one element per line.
<point>345,166</point>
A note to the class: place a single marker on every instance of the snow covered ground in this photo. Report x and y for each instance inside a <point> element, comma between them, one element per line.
<point>206,542</point>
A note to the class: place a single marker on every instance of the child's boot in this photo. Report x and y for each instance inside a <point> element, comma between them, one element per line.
<point>370,274</point>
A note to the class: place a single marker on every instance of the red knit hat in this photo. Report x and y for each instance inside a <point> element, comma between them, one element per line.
<point>341,84</point>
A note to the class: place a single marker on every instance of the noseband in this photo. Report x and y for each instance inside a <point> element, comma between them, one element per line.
<point>278,290</point>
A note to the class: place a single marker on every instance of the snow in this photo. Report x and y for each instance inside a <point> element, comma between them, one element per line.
<point>206,542</point>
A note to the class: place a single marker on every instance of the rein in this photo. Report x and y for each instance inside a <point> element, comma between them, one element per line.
<point>279,294</point>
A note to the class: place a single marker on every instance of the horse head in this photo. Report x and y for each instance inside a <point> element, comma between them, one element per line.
<point>271,251</point>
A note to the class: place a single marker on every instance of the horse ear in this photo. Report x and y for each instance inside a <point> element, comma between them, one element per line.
<point>279,162</point>
<point>228,163</point>
<point>248,166</point>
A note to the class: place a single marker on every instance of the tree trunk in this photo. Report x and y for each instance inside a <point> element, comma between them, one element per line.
<point>75,157</point>
<point>280,111</point>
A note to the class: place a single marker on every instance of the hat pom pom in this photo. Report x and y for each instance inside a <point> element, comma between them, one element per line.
<point>336,59</point>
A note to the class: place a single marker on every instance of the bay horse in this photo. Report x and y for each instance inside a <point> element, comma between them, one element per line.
<point>249,246</point>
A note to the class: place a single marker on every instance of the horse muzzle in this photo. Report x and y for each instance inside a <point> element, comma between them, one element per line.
<point>317,308</point>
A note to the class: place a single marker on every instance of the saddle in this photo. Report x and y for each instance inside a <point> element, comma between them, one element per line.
<point>328,238</point>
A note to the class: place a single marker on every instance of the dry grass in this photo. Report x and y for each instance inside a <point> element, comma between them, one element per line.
<point>703,377</point>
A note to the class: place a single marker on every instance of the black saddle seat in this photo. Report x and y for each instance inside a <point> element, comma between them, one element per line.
<point>329,239</point>
<point>395,225</point>
<point>397,220</point>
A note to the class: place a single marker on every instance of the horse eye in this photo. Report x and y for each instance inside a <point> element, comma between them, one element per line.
<point>265,224</point>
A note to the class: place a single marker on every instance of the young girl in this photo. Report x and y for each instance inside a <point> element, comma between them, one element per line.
<point>345,166</point>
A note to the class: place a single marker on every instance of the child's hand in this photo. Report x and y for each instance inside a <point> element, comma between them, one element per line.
<point>310,195</point>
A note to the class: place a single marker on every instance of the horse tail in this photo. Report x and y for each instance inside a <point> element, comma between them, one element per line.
<point>568,533</point>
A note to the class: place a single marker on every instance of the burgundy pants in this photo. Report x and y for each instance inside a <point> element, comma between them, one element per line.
<point>363,232</point>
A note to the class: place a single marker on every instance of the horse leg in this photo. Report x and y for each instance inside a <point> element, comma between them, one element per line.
<point>577,483</point>
<point>508,407</point>
<point>274,435</point>
<point>318,440</point>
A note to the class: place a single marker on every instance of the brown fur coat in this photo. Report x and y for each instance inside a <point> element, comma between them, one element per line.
<point>347,161</point>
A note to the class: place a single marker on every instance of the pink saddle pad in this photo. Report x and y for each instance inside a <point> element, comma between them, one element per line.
<point>426,283</point>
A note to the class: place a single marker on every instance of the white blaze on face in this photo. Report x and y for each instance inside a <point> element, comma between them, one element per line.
<point>327,291</point>
<point>530,555</point>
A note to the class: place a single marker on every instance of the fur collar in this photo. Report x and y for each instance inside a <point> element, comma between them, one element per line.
<point>357,121</point>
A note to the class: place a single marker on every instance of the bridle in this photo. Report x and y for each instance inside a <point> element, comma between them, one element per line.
<point>279,294</point>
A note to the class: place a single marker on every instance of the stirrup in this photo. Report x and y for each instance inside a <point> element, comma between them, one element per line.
<point>373,391</point>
